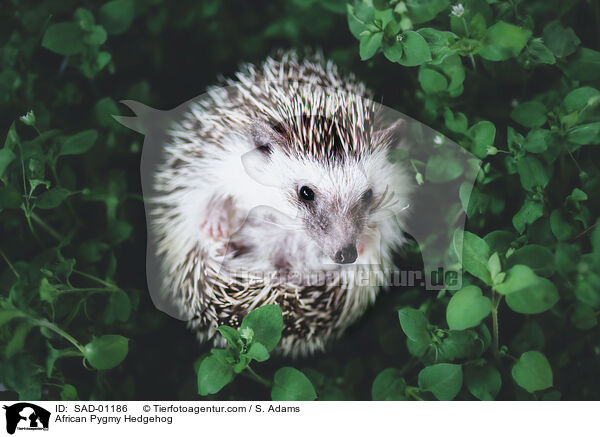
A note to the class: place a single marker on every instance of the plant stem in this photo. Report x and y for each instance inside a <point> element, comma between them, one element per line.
<point>95,278</point>
<point>46,226</point>
<point>9,263</point>
<point>53,327</point>
<point>256,377</point>
<point>411,392</point>
<point>90,290</point>
<point>495,335</point>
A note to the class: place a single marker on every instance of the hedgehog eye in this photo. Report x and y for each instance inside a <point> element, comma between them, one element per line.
<point>307,194</point>
<point>367,196</point>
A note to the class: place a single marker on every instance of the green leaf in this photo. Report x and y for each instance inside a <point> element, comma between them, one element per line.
<point>232,336</point>
<point>432,81</point>
<point>358,16</point>
<point>69,393</point>
<point>421,11</point>
<point>12,138</point>
<point>537,141</point>
<point>579,98</point>
<point>6,315</point>
<point>483,382</point>
<point>414,324</point>
<point>585,134</point>
<point>118,308</point>
<point>6,157</point>
<point>443,168</point>
<point>458,345</point>
<point>561,41</point>
<point>47,291</point>
<point>532,173</point>
<point>95,36</point>
<point>443,380</point>
<point>52,198</point>
<point>584,65</point>
<point>415,50</point>
<point>539,53</point>
<point>537,257</point>
<point>267,324</point>
<point>369,44</point>
<point>500,241</point>
<point>107,351</point>
<point>290,384</point>
<point>456,122</point>
<point>116,16</point>
<point>258,352</point>
<point>528,214</point>
<point>9,197</point>
<point>118,231</point>
<point>503,41</point>
<point>467,308</point>
<point>532,372</point>
<point>104,109</point>
<point>452,68</point>
<point>587,290</point>
<point>225,356</point>
<point>566,258</point>
<point>213,375</point>
<point>527,294</point>
<point>483,134</point>
<point>518,278</point>
<point>584,316</point>
<point>17,340</point>
<point>78,143</point>
<point>494,265</point>
<point>560,225</point>
<point>439,43</point>
<point>577,195</point>
<point>393,52</point>
<point>475,256</point>
<point>64,39</point>
<point>84,18</point>
<point>530,114</point>
<point>389,385</point>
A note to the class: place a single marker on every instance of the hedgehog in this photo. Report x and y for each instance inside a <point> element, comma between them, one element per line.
<point>278,176</point>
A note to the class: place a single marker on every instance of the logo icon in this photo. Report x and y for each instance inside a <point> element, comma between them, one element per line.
<point>26,416</point>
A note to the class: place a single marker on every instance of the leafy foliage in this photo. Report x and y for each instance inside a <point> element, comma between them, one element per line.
<point>541,147</point>
<point>259,333</point>
<point>515,83</point>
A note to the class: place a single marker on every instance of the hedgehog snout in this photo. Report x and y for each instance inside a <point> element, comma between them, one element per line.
<point>346,255</point>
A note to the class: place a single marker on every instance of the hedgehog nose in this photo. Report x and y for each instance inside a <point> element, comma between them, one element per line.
<point>347,255</point>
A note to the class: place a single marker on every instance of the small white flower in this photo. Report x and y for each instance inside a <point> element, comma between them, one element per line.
<point>29,118</point>
<point>438,139</point>
<point>457,10</point>
<point>514,103</point>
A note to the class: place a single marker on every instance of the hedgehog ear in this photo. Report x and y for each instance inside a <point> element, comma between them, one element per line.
<point>393,133</point>
<point>266,136</point>
<point>256,162</point>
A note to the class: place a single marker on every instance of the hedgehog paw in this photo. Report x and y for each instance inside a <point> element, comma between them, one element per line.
<point>215,223</point>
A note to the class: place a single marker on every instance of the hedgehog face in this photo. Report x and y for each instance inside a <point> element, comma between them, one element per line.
<point>336,201</point>
<point>333,207</point>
